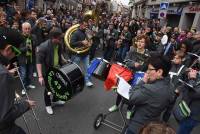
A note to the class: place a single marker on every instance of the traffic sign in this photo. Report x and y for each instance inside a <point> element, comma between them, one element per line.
<point>162,14</point>
<point>164,5</point>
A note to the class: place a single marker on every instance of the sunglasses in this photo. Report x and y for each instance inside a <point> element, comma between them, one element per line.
<point>16,51</point>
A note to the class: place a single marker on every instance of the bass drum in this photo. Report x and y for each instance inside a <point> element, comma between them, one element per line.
<point>66,82</point>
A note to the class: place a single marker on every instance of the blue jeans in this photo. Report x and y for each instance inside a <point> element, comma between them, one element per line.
<point>128,131</point>
<point>26,72</point>
<point>85,60</point>
<point>186,126</point>
<point>124,51</point>
<point>121,53</point>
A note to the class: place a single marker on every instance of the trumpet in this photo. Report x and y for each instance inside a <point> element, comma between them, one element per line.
<point>28,98</point>
<point>197,61</point>
<point>24,118</point>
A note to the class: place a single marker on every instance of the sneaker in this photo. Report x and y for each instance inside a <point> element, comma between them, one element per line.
<point>23,92</point>
<point>113,108</point>
<point>58,102</point>
<point>128,115</point>
<point>89,84</point>
<point>31,86</point>
<point>34,74</point>
<point>49,110</point>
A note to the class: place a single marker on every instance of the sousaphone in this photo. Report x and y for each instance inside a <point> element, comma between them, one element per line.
<point>90,14</point>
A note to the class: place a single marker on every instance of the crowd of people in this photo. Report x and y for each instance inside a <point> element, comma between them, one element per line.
<point>164,53</point>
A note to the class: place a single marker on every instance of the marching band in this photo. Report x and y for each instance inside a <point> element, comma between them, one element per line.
<point>159,65</point>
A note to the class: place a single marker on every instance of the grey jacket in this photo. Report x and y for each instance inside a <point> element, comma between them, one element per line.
<point>150,101</point>
<point>9,111</point>
<point>45,55</point>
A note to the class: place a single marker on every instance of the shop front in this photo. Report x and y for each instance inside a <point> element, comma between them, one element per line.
<point>190,18</point>
<point>173,15</point>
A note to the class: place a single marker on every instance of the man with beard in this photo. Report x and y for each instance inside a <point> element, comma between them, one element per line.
<point>79,39</point>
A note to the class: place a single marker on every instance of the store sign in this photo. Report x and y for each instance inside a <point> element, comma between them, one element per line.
<point>194,8</point>
<point>177,10</point>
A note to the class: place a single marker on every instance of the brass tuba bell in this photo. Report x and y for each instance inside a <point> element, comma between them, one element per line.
<point>90,14</point>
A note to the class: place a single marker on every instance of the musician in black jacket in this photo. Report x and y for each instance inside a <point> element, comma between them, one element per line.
<point>10,111</point>
<point>80,39</point>
<point>49,54</point>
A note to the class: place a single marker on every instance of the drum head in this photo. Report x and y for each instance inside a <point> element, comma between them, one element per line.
<point>58,84</point>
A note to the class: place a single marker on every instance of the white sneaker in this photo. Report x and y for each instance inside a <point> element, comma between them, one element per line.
<point>49,110</point>
<point>31,86</point>
<point>23,92</point>
<point>59,102</point>
<point>34,74</point>
<point>89,84</point>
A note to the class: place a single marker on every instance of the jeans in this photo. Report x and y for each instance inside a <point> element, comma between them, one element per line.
<point>47,98</point>
<point>128,131</point>
<point>186,126</point>
<point>26,72</point>
<point>14,129</point>
<point>85,60</point>
<point>124,51</point>
<point>121,53</point>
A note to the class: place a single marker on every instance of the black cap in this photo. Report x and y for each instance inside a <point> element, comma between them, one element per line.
<point>10,36</point>
<point>55,32</point>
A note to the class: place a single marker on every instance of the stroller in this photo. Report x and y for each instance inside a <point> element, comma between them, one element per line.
<point>101,119</point>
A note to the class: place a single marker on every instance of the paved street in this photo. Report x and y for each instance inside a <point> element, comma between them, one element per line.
<point>77,115</point>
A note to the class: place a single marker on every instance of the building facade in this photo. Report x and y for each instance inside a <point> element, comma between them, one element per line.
<point>182,13</point>
<point>190,18</point>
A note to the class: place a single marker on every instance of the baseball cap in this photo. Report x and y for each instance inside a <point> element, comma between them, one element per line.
<point>55,32</point>
<point>11,37</point>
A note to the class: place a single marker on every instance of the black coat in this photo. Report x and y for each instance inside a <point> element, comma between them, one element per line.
<point>150,101</point>
<point>9,111</point>
<point>23,59</point>
<point>76,39</point>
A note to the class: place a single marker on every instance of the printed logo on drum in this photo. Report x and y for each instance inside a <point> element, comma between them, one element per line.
<point>62,79</point>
